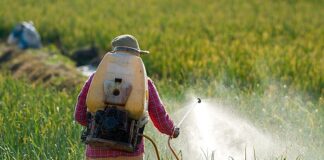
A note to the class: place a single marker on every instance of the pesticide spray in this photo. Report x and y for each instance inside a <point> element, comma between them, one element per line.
<point>212,132</point>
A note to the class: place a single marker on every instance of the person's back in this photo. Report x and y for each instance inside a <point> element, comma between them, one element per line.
<point>126,44</point>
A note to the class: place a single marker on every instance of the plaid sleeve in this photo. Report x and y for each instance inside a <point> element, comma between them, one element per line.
<point>158,115</point>
<point>81,108</point>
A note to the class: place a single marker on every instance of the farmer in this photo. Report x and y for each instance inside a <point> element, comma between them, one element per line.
<point>25,35</point>
<point>156,110</point>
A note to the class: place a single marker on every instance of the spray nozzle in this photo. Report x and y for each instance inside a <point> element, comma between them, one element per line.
<point>199,100</point>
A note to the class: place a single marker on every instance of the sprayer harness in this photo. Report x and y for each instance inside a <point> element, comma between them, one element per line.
<point>112,127</point>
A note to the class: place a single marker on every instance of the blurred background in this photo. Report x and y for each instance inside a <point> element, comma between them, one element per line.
<point>261,61</point>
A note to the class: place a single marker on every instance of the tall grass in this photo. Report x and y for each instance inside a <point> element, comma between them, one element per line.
<point>37,123</point>
<point>242,43</point>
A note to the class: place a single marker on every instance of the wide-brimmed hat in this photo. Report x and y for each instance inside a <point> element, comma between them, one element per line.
<point>126,42</point>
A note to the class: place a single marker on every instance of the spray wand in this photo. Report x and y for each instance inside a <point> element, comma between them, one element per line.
<point>178,125</point>
<point>189,111</point>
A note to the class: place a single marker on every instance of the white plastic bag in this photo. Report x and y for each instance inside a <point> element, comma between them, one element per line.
<point>25,35</point>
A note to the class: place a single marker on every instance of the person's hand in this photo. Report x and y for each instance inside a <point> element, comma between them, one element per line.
<point>176,132</point>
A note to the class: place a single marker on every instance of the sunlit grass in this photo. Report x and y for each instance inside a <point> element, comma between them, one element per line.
<point>242,43</point>
<point>264,58</point>
<point>37,123</point>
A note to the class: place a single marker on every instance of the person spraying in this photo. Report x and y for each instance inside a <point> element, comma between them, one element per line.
<point>115,103</point>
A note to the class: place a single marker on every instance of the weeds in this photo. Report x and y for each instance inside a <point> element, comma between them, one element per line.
<point>244,44</point>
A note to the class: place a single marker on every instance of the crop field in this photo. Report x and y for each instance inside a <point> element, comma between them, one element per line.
<point>265,59</point>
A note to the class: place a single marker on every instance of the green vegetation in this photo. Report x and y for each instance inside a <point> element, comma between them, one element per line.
<point>256,55</point>
<point>236,42</point>
<point>37,123</point>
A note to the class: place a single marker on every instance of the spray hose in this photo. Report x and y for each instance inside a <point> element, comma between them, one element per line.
<point>156,149</point>
<point>172,150</point>
<point>154,145</point>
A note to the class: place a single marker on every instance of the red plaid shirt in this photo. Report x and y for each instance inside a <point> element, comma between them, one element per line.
<point>157,113</point>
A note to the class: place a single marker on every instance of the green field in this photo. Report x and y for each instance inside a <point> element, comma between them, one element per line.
<point>238,52</point>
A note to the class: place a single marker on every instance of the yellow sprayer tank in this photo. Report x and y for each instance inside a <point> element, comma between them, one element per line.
<point>125,67</point>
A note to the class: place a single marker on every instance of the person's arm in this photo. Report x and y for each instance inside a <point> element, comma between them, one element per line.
<point>80,113</point>
<point>158,115</point>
